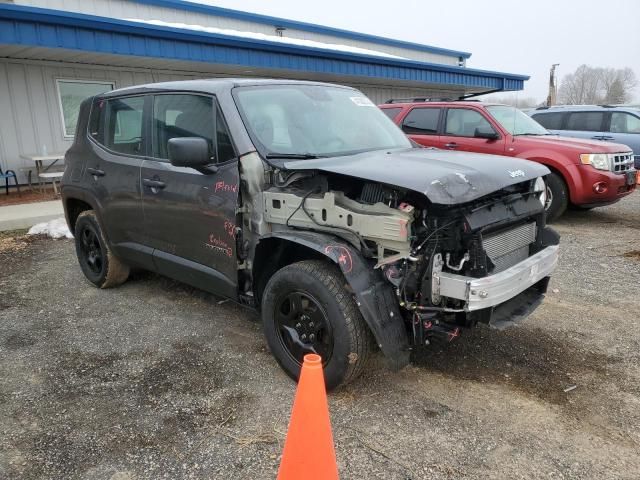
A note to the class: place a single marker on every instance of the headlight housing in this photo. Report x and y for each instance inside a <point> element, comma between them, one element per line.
<point>596,160</point>
<point>540,188</point>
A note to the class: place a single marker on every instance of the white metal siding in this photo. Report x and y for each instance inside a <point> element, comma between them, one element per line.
<point>30,107</point>
<point>128,9</point>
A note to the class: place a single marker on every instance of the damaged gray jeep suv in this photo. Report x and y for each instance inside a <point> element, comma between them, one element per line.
<point>304,201</point>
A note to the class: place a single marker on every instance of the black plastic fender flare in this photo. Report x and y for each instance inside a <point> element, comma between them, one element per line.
<point>374,296</point>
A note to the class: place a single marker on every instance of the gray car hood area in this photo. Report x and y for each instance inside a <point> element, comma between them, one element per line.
<point>445,177</point>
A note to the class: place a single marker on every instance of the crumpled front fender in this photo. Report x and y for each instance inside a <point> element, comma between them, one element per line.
<point>374,296</point>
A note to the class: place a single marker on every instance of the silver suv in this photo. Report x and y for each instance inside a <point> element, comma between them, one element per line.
<point>610,123</point>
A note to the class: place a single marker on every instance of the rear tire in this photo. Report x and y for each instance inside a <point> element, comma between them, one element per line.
<point>558,196</point>
<point>311,292</point>
<point>97,261</point>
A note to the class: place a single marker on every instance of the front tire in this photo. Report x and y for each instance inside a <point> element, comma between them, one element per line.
<point>97,261</point>
<point>557,196</point>
<point>307,309</point>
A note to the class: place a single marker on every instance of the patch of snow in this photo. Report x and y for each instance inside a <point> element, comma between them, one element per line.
<point>269,38</point>
<point>56,228</point>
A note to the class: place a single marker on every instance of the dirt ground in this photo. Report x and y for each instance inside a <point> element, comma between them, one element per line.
<point>157,380</point>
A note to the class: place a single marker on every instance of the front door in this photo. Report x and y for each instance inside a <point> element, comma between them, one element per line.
<point>190,215</point>
<point>459,131</point>
<point>625,129</point>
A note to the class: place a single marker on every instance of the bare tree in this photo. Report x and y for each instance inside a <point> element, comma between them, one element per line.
<point>589,85</point>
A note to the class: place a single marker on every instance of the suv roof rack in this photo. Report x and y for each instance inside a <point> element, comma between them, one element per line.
<point>462,98</point>
<point>419,99</point>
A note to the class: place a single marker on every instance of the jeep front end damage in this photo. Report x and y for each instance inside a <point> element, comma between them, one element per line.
<point>447,267</point>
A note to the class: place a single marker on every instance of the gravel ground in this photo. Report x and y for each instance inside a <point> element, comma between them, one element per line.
<point>157,380</point>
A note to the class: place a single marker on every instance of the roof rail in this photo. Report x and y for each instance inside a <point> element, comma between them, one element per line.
<point>418,99</point>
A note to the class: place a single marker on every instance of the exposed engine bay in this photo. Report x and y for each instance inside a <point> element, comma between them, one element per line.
<point>430,254</point>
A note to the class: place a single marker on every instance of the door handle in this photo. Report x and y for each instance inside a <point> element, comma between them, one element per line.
<point>154,184</point>
<point>602,137</point>
<point>451,145</point>
<point>96,172</point>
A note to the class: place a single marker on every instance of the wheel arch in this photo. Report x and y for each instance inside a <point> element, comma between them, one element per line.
<point>374,296</point>
<point>76,201</point>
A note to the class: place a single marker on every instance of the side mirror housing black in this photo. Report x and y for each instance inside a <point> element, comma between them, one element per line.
<point>189,152</point>
<point>487,133</point>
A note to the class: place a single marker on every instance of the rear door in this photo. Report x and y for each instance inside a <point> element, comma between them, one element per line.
<point>190,215</point>
<point>458,133</point>
<point>420,124</point>
<point>586,124</point>
<point>112,172</point>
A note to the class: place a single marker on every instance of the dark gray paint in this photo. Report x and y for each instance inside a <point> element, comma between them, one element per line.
<point>445,177</point>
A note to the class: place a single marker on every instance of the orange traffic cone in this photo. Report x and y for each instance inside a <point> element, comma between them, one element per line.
<point>308,450</point>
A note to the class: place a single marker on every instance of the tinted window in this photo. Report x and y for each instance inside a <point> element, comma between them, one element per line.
<point>622,122</point>
<point>463,122</point>
<point>391,112</point>
<point>586,121</point>
<point>422,121</point>
<point>177,116</point>
<point>226,151</point>
<point>551,121</point>
<point>124,129</point>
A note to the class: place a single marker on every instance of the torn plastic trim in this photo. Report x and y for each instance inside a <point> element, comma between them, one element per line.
<point>374,296</point>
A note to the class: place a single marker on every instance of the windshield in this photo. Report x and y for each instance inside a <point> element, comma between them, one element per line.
<point>515,121</point>
<point>315,121</point>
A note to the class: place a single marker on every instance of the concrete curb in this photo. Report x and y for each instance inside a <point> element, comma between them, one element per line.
<point>14,217</point>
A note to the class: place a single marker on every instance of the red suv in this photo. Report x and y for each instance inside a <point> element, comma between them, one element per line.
<point>584,173</point>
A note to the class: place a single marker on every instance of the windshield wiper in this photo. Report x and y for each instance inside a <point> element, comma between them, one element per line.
<point>293,156</point>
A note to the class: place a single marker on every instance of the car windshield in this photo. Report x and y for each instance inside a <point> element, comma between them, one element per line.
<point>515,121</point>
<point>308,121</point>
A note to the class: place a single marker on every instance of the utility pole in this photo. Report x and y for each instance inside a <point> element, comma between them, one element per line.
<point>553,88</point>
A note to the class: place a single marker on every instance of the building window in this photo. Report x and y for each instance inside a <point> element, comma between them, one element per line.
<point>71,94</point>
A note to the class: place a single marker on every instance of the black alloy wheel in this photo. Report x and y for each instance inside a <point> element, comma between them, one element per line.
<point>303,326</point>
<point>307,308</point>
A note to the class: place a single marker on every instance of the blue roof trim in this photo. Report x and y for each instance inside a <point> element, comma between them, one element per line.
<point>56,29</point>
<point>297,25</point>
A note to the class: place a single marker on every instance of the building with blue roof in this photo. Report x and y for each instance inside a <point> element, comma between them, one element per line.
<point>54,53</point>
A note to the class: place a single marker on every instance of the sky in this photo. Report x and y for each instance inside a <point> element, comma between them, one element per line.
<point>508,36</point>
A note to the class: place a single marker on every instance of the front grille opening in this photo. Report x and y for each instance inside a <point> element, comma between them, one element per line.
<point>510,246</point>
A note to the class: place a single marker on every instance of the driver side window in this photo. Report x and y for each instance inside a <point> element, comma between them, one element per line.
<point>462,122</point>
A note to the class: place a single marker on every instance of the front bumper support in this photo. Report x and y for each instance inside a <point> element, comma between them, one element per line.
<point>479,293</point>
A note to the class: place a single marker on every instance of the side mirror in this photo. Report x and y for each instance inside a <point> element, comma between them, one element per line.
<point>487,133</point>
<point>189,152</point>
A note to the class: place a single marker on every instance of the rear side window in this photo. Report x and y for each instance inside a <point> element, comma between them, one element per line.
<point>391,112</point>
<point>123,132</point>
<point>585,121</point>
<point>550,121</point>
<point>422,121</point>
<point>176,116</point>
